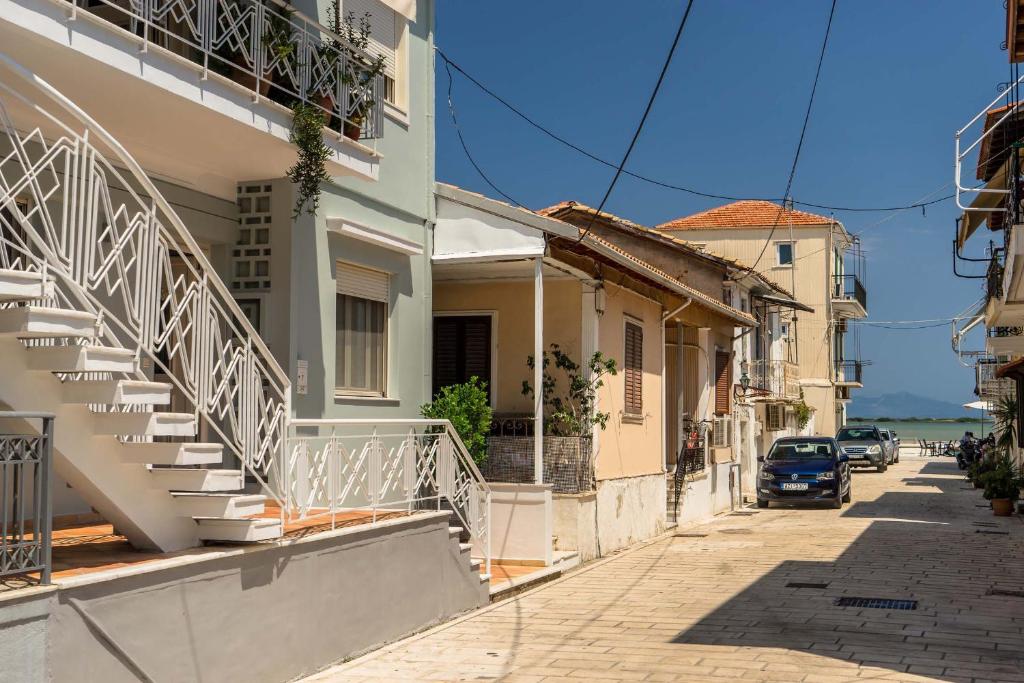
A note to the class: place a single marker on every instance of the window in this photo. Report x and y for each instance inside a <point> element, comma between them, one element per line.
<point>634,365</point>
<point>723,382</point>
<point>784,253</point>
<point>462,349</point>
<point>775,417</point>
<point>361,322</point>
<point>387,38</point>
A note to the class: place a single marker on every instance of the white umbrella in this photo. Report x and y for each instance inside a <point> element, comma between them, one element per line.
<point>978,405</point>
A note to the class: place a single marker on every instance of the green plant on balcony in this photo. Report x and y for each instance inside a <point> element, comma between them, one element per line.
<point>802,412</point>
<point>361,71</point>
<point>575,413</point>
<point>310,168</point>
<point>466,407</point>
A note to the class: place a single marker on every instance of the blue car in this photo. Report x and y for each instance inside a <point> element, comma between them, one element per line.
<point>804,469</point>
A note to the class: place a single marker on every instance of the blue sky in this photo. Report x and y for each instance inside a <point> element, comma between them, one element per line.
<point>898,80</point>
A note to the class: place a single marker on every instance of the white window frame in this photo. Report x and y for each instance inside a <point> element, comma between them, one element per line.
<point>779,423</point>
<point>492,381</point>
<point>792,253</point>
<point>350,392</point>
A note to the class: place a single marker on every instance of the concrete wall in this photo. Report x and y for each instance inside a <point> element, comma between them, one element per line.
<point>260,614</point>
<point>575,523</point>
<point>521,523</point>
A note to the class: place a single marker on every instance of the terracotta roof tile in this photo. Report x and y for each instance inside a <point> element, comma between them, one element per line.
<point>745,214</point>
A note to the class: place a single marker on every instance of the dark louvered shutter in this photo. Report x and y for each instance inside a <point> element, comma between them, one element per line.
<point>634,365</point>
<point>723,382</point>
<point>462,349</point>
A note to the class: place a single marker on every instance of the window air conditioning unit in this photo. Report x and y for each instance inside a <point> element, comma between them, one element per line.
<point>721,434</point>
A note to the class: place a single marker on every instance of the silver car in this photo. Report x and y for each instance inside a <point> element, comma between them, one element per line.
<point>892,444</point>
<point>864,446</point>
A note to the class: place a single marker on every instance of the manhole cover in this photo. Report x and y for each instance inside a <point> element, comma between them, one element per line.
<point>990,531</point>
<point>798,584</point>
<point>735,531</point>
<point>1005,592</point>
<point>876,603</point>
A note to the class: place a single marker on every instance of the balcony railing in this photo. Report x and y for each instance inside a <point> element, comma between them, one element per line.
<point>1000,332</point>
<point>849,371</point>
<point>994,278</point>
<point>850,288</point>
<point>264,45</point>
<point>775,378</point>
<point>26,470</point>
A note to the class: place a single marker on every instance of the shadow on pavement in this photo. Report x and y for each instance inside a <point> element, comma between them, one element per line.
<point>958,631</point>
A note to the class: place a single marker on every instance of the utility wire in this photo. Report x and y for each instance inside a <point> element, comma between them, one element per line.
<point>462,141</point>
<point>654,181</point>
<point>800,142</point>
<point>643,120</point>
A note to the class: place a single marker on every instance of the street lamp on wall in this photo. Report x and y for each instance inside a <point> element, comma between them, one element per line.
<point>744,375</point>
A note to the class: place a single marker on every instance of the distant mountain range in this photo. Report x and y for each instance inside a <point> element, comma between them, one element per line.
<point>903,405</point>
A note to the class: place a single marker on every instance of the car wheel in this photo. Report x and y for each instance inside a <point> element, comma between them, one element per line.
<point>897,457</point>
<point>848,496</point>
<point>838,503</point>
<point>762,503</point>
<point>882,467</point>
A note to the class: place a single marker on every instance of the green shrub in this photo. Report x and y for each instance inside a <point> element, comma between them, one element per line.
<point>466,407</point>
<point>1002,481</point>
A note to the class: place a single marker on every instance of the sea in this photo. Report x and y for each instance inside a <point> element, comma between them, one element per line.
<point>932,431</point>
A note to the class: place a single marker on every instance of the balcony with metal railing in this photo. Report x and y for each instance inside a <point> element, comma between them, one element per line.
<point>849,297</point>
<point>775,379</point>
<point>1002,341</point>
<point>849,373</point>
<point>202,90</point>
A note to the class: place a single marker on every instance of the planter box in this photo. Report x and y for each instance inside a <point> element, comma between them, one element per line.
<point>568,462</point>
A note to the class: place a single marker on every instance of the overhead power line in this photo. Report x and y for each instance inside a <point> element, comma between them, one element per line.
<point>643,119</point>
<point>654,181</point>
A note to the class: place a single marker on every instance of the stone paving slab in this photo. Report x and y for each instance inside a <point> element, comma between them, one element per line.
<point>718,608</point>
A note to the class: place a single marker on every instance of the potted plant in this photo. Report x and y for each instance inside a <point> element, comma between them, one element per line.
<point>360,73</point>
<point>278,38</point>
<point>1002,486</point>
<point>310,168</point>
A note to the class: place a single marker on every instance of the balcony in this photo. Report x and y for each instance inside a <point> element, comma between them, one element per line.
<point>1003,341</point>
<point>200,92</point>
<point>1005,282</point>
<point>775,380</point>
<point>849,373</point>
<point>849,298</point>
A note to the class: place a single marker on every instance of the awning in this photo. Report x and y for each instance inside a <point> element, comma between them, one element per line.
<point>984,201</point>
<point>784,302</point>
<point>1012,370</point>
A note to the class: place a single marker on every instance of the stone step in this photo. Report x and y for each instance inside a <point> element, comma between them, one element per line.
<point>87,358</point>
<point>40,322</point>
<point>165,453</point>
<point>239,530</point>
<point>145,424</point>
<point>193,479</point>
<point>219,505</point>
<point>118,392</point>
<point>23,285</point>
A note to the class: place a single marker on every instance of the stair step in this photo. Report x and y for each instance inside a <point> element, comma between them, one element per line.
<point>454,530</point>
<point>174,453</point>
<point>465,547</point>
<point>220,505</point>
<point>88,358</point>
<point>23,285</point>
<point>120,392</point>
<point>39,322</point>
<point>145,424</point>
<point>198,479</point>
<point>238,530</point>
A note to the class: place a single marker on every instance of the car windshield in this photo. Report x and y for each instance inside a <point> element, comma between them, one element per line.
<point>856,434</point>
<point>801,450</point>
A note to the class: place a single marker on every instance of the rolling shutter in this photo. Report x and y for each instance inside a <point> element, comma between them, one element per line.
<point>634,364</point>
<point>383,39</point>
<point>360,282</point>
<point>462,349</point>
<point>723,382</point>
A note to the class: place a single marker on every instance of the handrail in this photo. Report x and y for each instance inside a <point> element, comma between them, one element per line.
<point>114,258</point>
<point>27,463</point>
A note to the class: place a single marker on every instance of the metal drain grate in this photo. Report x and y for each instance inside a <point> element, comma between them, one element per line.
<point>742,513</point>
<point>735,531</point>
<point>876,603</point>
<point>1005,592</point>
<point>798,584</point>
<point>690,535</point>
<point>985,523</point>
<point>990,531</point>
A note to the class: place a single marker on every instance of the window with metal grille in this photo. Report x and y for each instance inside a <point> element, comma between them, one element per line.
<point>361,322</point>
<point>723,382</point>
<point>634,369</point>
<point>462,349</point>
<point>775,417</point>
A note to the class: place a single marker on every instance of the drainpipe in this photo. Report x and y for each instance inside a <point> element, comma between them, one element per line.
<point>664,382</point>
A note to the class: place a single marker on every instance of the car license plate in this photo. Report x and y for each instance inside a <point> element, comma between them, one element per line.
<point>794,486</point>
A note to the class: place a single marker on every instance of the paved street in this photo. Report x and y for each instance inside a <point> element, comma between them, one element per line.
<point>712,603</point>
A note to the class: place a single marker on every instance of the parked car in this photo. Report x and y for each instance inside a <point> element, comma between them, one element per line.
<point>864,446</point>
<point>893,443</point>
<point>804,469</point>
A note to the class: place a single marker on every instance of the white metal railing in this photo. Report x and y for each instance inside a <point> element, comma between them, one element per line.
<point>77,207</point>
<point>964,150</point>
<point>779,378</point>
<point>265,45</point>
<point>339,465</point>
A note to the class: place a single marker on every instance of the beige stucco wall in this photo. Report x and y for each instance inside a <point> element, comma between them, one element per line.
<point>625,448</point>
<point>512,304</point>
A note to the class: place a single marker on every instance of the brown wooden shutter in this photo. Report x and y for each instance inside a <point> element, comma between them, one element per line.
<point>462,349</point>
<point>723,382</point>
<point>634,365</point>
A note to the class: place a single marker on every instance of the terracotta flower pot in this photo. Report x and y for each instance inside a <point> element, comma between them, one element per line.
<point>1002,507</point>
<point>249,81</point>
